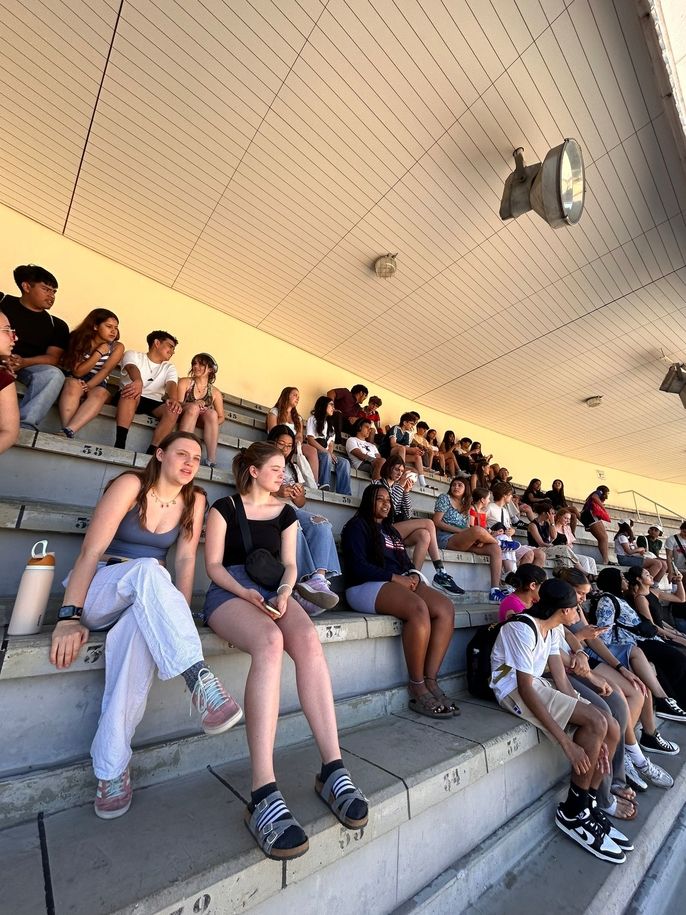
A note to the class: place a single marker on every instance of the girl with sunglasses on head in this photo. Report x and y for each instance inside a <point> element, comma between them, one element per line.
<point>202,403</point>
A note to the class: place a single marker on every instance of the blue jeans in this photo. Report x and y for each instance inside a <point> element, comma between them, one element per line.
<point>316,547</point>
<point>341,468</point>
<point>43,386</point>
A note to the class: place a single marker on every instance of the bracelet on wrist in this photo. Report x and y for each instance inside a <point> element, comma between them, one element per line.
<point>284,589</point>
<point>619,666</point>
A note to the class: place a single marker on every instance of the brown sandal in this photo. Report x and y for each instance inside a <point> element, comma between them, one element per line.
<point>438,693</point>
<point>428,705</point>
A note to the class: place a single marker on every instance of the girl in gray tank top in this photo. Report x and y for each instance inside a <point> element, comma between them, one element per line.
<point>119,583</point>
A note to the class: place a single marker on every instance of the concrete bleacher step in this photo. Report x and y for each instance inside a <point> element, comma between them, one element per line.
<point>529,866</point>
<point>436,788</point>
<point>363,653</point>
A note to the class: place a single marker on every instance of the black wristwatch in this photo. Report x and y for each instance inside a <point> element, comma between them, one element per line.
<point>69,612</point>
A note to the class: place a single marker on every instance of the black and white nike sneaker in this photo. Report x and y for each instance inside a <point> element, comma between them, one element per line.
<point>624,842</point>
<point>588,833</point>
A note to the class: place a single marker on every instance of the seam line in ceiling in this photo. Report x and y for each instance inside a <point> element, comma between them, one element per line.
<point>245,151</point>
<point>95,108</point>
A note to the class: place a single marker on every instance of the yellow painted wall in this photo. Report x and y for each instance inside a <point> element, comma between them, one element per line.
<point>255,365</point>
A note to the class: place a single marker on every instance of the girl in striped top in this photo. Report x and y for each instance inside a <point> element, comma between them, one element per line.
<point>93,352</point>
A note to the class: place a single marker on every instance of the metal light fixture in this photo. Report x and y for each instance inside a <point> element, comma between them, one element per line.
<point>674,381</point>
<point>385,266</point>
<point>555,188</point>
<point>594,401</point>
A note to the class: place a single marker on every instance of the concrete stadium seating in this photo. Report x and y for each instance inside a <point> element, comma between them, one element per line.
<point>454,804</point>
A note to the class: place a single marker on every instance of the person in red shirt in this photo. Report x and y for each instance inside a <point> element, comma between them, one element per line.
<point>347,408</point>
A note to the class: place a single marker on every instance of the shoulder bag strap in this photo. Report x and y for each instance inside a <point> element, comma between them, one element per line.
<point>522,618</point>
<point>243,524</point>
<point>680,544</point>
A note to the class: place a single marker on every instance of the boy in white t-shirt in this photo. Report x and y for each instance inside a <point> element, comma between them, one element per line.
<point>522,650</point>
<point>148,385</point>
<point>363,454</point>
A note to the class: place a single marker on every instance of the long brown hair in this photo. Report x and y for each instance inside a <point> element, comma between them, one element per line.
<point>466,500</point>
<point>81,338</point>
<point>151,475</point>
<point>256,455</point>
<point>286,414</point>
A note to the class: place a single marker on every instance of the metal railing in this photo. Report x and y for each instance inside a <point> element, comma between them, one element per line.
<point>656,505</point>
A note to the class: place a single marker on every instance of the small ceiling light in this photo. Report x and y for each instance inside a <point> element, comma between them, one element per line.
<point>555,189</point>
<point>594,401</point>
<point>385,266</point>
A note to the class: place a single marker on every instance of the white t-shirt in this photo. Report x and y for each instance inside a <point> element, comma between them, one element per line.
<point>559,643</point>
<point>620,545</point>
<point>155,375</point>
<point>311,429</point>
<point>368,448</point>
<point>517,648</point>
<point>291,426</point>
<point>498,514</point>
<point>678,557</point>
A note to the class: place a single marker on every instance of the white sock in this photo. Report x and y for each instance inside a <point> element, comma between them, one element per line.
<point>421,480</point>
<point>635,754</point>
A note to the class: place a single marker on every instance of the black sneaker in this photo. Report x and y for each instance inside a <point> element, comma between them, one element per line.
<point>588,833</point>
<point>655,743</point>
<point>447,582</point>
<point>624,842</point>
<point>669,709</point>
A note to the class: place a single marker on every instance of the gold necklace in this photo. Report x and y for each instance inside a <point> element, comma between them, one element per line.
<point>159,501</point>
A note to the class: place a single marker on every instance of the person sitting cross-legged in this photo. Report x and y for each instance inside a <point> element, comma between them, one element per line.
<point>381,579</point>
<point>522,649</point>
<point>119,583</point>
<point>148,385</point>
<point>261,619</point>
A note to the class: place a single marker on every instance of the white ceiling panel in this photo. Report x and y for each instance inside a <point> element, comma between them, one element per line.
<point>260,156</point>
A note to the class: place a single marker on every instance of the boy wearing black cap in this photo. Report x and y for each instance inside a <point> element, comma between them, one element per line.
<point>522,650</point>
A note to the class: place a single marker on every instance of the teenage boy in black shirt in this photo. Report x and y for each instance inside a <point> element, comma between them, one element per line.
<point>41,341</point>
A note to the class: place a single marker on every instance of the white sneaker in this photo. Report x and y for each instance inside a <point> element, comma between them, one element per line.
<point>632,775</point>
<point>655,775</point>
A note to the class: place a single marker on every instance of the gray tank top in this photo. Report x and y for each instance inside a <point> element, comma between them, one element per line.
<point>132,541</point>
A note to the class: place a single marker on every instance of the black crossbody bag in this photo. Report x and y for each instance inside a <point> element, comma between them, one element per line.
<point>264,569</point>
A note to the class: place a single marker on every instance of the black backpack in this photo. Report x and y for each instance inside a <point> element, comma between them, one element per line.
<point>479,656</point>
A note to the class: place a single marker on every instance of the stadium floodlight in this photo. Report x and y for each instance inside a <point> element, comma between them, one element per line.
<point>555,188</point>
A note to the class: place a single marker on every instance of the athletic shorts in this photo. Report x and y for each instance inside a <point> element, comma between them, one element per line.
<point>146,405</point>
